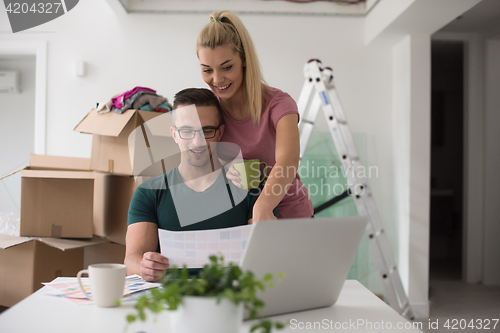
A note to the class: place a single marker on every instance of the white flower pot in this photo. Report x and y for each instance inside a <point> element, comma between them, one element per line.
<point>203,314</point>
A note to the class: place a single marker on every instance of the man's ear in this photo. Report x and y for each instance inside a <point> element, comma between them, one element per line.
<point>221,131</point>
<point>174,134</point>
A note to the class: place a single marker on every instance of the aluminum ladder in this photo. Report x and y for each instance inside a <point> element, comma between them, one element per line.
<point>319,93</point>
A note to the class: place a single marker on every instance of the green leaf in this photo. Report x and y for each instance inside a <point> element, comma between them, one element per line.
<point>216,279</point>
<point>142,315</point>
<point>266,324</point>
<point>258,303</point>
<point>254,328</point>
<point>141,302</point>
<point>156,293</point>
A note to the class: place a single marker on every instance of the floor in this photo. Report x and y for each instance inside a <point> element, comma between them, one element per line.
<point>451,298</point>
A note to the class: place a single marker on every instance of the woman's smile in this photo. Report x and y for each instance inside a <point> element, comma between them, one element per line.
<point>223,88</point>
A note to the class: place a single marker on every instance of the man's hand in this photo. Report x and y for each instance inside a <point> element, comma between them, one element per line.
<point>153,266</point>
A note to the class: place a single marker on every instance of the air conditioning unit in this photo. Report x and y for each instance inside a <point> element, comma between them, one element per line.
<point>9,82</point>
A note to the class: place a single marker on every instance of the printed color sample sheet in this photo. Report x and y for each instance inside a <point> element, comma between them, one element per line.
<point>194,247</point>
<point>70,288</point>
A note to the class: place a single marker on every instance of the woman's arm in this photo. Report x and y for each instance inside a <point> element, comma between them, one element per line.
<point>287,161</point>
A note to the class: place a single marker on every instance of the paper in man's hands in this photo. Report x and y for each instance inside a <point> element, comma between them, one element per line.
<point>194,247</point>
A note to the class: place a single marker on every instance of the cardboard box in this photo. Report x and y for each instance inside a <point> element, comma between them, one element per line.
<point>111,199</point>
<point>59,201</point>
<point>50,162</point>
<point>104,253</point>
<point>110,140</point>
<point>56,202</point>
<point>25,263</point>
<point>112,195</point>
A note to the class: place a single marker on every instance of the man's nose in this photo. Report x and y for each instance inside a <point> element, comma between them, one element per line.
<point>199,139</point>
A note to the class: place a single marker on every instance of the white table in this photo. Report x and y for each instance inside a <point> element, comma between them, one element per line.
<point>357,310</point>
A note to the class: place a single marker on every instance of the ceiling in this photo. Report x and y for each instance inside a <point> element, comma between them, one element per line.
<point>483,18</point>
<point>266,7</point>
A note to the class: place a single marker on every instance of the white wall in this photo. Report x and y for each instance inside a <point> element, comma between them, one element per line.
<point>419,171</point>
<point>408,36</point>
<point>123,51</point>
<point>411,144</point>
<point>401,76</point>
<point>491,275</point>
<point>158,51</point>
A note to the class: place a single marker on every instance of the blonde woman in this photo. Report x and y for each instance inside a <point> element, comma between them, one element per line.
<point>260,119</point>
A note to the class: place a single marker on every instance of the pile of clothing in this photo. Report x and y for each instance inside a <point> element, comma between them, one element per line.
<point>139,98</point>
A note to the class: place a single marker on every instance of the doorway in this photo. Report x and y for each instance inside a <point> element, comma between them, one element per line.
<point>447,159</point>
<point>24,115</point>
<point>16,128</point>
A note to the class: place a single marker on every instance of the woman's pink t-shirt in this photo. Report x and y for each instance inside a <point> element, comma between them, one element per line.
<point>258,141</point>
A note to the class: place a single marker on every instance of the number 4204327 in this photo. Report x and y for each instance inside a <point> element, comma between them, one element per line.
<point>41,7</point>
<point>478,324</point>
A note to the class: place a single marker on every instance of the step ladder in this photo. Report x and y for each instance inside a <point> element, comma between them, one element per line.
<point>319,93</point>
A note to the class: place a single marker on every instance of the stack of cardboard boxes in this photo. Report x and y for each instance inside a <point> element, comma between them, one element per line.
<point>66,202</point>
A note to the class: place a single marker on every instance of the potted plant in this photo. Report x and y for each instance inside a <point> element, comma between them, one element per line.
<point>213,302</point>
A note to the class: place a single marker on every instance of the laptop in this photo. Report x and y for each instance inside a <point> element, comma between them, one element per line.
<point>314,254</point>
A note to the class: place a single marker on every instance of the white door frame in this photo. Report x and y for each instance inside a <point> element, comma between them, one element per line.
<point>39,49</point>
<point>473,210</point>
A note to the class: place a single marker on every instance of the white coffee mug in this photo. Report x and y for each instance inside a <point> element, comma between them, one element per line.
<point>107,282</point>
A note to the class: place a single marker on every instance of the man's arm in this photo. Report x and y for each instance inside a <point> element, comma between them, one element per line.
<point>140,255</point>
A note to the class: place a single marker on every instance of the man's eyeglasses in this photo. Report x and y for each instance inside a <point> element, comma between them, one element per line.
<point>189,133</point>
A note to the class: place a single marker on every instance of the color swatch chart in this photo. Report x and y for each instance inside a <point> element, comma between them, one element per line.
<point>70,289</point>
<point>194,247</point>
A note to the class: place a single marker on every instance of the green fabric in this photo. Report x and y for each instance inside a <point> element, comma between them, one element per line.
<point>164,105</point>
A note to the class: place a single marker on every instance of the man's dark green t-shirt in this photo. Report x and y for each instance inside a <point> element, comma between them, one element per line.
<point>166,201</point>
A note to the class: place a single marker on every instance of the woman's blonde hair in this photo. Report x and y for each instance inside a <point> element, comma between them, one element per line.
<point>225,28</point>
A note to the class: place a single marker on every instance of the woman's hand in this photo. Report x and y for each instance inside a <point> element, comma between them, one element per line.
<point>261,213</point>
<point>232,174</point>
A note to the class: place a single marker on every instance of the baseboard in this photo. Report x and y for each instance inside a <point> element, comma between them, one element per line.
<point>420,310</point>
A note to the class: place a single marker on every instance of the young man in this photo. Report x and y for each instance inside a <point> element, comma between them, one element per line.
<point>193,196</point>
